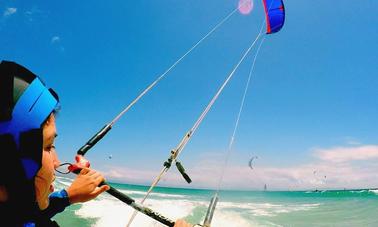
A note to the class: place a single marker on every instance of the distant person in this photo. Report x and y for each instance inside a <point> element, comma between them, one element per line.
<point>29,158</point>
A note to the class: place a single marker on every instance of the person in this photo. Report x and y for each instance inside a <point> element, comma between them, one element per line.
<point>27,136</point>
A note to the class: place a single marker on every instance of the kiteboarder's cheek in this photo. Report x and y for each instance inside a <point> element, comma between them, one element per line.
<point>44,179</point>
<point>46,174</point>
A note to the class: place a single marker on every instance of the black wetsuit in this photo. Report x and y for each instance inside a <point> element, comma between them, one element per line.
<point>13,217</point>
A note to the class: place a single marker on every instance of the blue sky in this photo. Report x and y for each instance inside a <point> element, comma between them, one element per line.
<point>311,106</point>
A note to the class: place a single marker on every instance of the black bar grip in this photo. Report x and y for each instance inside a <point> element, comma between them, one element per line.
<point>182,171</point>
<point>94,139</point>
<point>187,178</point>
<point>158,217</point>
<point>131,202</point>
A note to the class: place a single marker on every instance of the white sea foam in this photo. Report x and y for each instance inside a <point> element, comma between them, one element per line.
<point>62,182</point>
<point>267,209</point>
<point>230,218</point>
<point>115,213</point>
<point>109,212</point>
<point>169,195</point>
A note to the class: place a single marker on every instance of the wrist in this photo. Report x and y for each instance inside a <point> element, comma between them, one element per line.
<point>62,194</point>
<point>70,195</point>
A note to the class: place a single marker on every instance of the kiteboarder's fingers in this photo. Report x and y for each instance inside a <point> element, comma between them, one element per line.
<point>98,178</point>
<point>84,171</point>
<point>100,190</point>
<point>92,173</point>
<point>104,188</point>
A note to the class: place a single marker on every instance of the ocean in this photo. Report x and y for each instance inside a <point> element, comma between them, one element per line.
<point>234,209</point>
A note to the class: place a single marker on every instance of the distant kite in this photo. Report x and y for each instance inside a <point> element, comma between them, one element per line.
<point>250,161</point>
<point>110,156</point>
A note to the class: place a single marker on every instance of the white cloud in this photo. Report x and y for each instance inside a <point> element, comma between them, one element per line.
<point>9,11</point>
<point>35,13</point>
<point>118,173</point>
<point>347,154</point>
<point>55,39</point>
<point>352,141</point>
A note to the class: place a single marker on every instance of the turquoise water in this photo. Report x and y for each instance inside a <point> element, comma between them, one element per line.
<point>235,208</point>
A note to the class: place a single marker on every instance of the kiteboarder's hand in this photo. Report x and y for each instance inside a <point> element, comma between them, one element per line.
<point>85,186</point>
<point>182,223</point>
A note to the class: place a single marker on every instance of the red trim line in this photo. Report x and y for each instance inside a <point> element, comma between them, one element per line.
<point>268,29</point>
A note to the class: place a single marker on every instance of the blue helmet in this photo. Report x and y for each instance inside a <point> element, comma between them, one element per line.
<point>25,104</point>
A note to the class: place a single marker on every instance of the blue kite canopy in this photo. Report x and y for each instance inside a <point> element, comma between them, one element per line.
<point>275,15</point>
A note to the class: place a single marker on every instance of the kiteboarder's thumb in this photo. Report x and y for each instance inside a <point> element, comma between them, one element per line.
<point>101,189</point>
<point>104,188</point>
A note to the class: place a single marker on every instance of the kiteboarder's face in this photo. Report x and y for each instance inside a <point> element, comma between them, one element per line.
<point>50,161</point>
